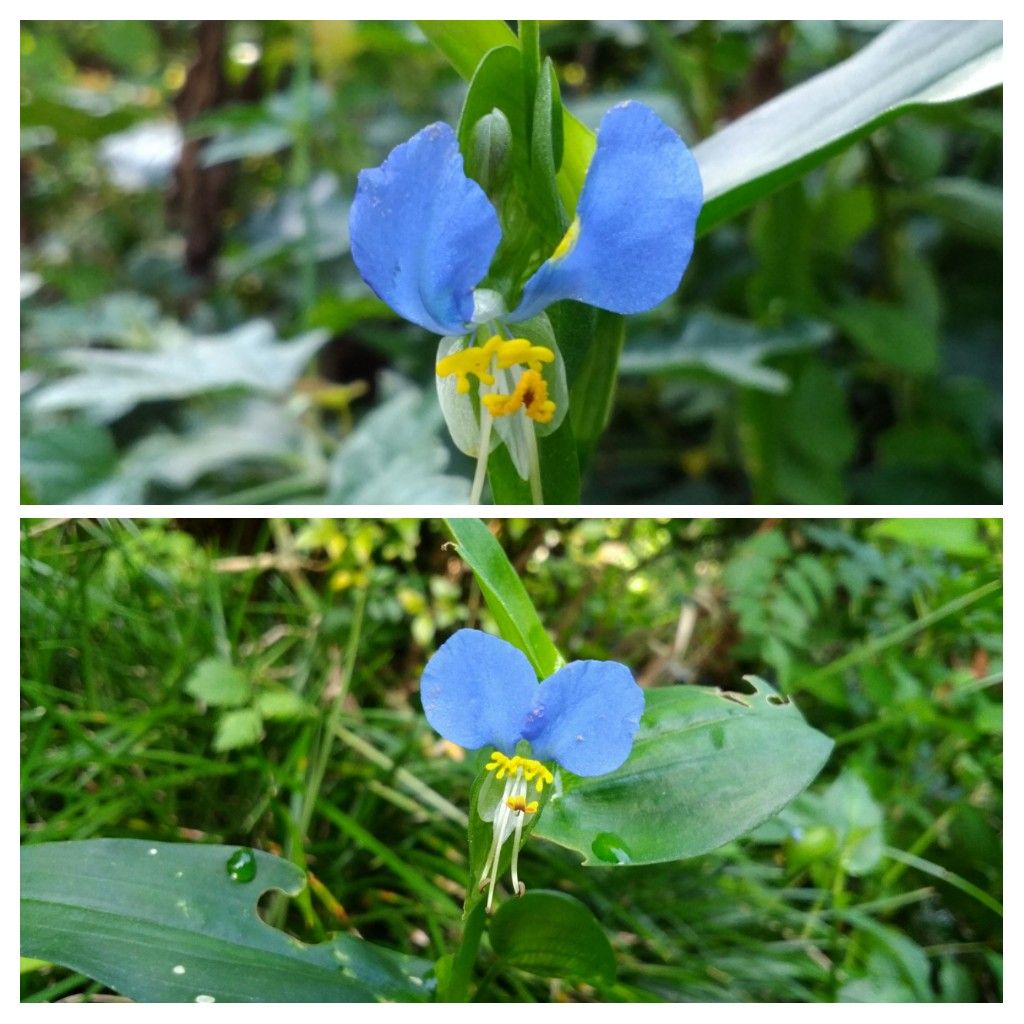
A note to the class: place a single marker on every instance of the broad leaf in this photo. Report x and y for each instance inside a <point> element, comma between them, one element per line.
<point>217,682</point>
<point>724,348</point>
<point>911,64</point>
<point>705,769</point>
<point>109,383</point>
<point>164,922</point>
<point>505,595</point>
<point>554,935</point>
<point>61,462</point>
<point>394,456</point>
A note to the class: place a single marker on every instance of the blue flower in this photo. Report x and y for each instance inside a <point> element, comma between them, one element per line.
<point>423,236</point>
<point>479,691</point>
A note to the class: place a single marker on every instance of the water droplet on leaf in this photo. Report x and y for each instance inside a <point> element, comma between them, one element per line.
<point>241,865</point>
<point>610,848</point>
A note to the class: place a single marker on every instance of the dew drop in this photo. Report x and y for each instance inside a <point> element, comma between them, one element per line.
<point>178,969</point>
<point>203,998</point>
<point>241,865</point>
<point>610,848</point>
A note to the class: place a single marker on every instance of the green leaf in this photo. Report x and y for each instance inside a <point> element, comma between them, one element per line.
<point>215,681</point>
<point>109,383</point>
<point>394,456</point>
<point>854,813</point>
<point>973,210</point>
<point>505,594</point>
<point>464,43</point>
<point>236,729</point>
<point>724,348</point>
<point>705,769</point>
<point>795,446</point>
<point>957,537</point>
<point>163,922</point>
<point>554,935</point>
<point>284,704</point>
<point>63,461</point>
<point>892,334</point>
<point>546,127</point>
<point>911,64</point>
<point>591,341</point>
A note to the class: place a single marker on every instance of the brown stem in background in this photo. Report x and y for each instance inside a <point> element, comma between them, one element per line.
<point>197,197</point>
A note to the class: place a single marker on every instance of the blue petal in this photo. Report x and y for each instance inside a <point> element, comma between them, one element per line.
<point>637,216</point>
<point>477,691</point>
<point>585,717</point>
<point>422,233</point>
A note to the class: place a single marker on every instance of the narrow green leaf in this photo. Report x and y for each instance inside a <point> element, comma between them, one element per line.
<point>554,935</point>
<point>705,769</point>
<point>911,64</point>
<point>505,594</point>
<point>594,369</point>
<point>164,922</point>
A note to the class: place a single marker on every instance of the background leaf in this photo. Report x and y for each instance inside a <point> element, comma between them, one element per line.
<point>176,928</point>
<point>215,681</point>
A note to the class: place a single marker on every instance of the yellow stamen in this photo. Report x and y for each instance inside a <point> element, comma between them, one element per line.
<point>518,351</point>
<point>531,392</point>
<point>568,240</point>
<point>530,395</point>
<point>518,803</point>
<point>526,766</point>
<point>474,360</point>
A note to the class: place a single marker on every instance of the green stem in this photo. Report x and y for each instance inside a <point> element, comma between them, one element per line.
<point>457,989</point>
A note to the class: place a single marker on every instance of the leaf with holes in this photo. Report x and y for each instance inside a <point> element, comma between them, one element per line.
<point>706,767</point>
<point>164,922</point>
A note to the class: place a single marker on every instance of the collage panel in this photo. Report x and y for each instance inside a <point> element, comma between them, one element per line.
<point>569,262</point>
<point>571,760</point>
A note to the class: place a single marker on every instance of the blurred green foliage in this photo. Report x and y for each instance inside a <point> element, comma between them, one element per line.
<point>256,682</point>
<point>839,341</point>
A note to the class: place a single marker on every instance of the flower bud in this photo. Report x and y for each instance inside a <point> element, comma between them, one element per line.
<point>491,157</point>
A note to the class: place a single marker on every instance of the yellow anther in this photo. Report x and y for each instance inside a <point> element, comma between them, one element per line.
<point>530,395</point>
<point>520,351</point>
<point>474,360</point>
<point>568,240</point>
<point>525,766</point>
<point>518,803</point>
<point>531,392</point>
